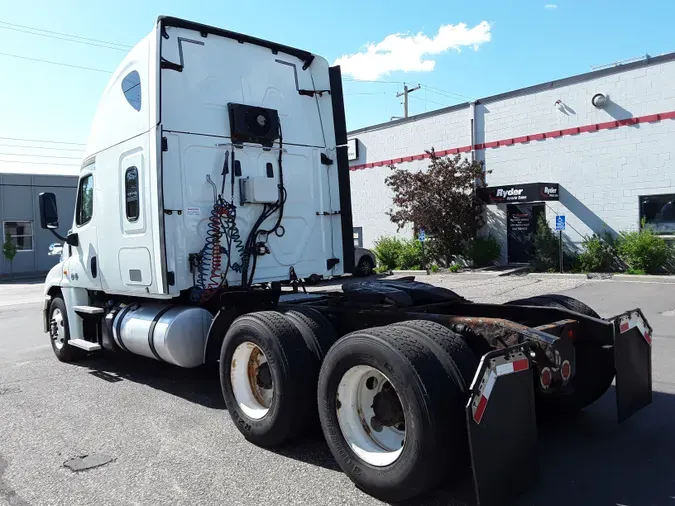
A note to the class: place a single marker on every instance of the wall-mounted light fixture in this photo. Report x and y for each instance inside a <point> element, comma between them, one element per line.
<point>599,100</point>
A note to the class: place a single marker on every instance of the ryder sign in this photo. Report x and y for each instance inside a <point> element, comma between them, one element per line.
<point>529,192</point>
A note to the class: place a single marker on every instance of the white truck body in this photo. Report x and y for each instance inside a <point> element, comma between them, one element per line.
<point>162,127</point>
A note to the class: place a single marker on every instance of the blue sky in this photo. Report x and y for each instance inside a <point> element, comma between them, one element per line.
<point>455,49</point>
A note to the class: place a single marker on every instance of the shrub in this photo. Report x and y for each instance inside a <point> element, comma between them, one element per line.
<point>644,251</point>
<point>454,268</point>
<point>547,250</point>
<point>599,254</point>
<point>434,268</point>
<point>410,255</point>
<point>636,272</point>
<point>484,251</point>
<point>388,250</point>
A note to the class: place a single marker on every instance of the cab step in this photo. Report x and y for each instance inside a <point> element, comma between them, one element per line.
<point>88,310</point>
<point>84,345</point>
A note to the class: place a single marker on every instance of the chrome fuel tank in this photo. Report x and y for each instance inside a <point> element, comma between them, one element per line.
<point>170,333</point>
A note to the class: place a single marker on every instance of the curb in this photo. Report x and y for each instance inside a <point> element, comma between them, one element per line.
<point>410,273</point>
<point>554,275</point>
<point>639,277</point>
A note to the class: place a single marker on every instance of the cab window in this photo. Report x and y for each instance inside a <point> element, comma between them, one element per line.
<point>85,200</point>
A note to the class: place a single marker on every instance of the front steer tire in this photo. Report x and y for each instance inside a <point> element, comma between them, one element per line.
<point>59,333</point>
<point>291,372</point>
<point>434,438</point>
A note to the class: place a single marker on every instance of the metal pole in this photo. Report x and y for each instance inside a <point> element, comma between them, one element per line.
<point>406,92</point>
<point>561,250</point>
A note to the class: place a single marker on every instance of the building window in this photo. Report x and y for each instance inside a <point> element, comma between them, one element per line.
<point>358,237</point>
<point>658,213</point>
<point>131,193</point>
<point>20,234</point>
<point>131,86</point>
<point>85,200</point>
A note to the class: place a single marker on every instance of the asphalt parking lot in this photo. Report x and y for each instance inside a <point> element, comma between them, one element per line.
<point>171,441</point>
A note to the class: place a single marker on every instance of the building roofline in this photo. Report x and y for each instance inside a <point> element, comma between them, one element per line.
<point>557,83</point>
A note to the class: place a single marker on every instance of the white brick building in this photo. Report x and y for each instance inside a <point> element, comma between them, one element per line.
<point>614,164</point>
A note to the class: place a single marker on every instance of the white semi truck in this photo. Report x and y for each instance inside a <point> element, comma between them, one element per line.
<point>215,170</point>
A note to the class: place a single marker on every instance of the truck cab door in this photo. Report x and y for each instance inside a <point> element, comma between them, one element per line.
<point>83,267</point>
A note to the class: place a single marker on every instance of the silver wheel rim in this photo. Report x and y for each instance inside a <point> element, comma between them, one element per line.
<point>58,331</point>
<point>365,267</point>
<point>378,440</point>
<point>251,380</point>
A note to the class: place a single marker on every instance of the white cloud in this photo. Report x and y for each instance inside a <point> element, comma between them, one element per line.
<point>406,52</point>
<point>551,6</point>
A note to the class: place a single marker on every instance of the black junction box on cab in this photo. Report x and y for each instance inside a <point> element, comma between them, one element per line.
<point>253,124</point>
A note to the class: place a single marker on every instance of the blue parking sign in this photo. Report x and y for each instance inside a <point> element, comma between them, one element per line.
<point>560,222</point>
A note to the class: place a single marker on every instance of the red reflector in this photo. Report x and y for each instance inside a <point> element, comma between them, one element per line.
<point>566,370</point>
<point>546,377</point>
<point>480,409</point>
<point>624,326</point>
<point>570,333</point>
<point>520,365</point>
<point>648,338</point>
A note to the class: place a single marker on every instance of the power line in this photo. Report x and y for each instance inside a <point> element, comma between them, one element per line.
<point>430,101</point>
<point>42,163</point>
<point>351,79</point>
<point>56,63</point>
<point>67,35</point>
<point>40,147</point>
<point>42,141</point>
<point>438,91</point>
<point>63,38</point>
<point>42,156</point>
<point>450,94</point>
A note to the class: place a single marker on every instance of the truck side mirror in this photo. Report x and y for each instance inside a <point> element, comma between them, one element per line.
<point>49,216</point>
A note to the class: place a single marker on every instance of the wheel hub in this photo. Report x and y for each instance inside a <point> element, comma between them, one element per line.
<point>251,380</point>
<point>57,330</point>
<point>370,415</point>
<point>387,407</point>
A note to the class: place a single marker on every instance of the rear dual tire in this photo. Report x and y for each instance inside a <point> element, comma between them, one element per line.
<point>269,365</point>
<point>428,384</point>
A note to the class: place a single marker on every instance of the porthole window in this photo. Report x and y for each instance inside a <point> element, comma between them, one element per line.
<point>131,193</point>
<point>131,86</point>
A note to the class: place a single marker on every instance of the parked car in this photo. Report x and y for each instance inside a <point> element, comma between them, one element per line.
<point>364,265</point>
<point>364,261</point>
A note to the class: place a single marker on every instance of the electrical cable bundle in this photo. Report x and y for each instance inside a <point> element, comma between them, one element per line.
<point>268,211</point>
<point>222,222</point>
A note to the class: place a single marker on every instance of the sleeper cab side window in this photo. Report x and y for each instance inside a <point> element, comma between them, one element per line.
<point>131,194</point>
<point>85,200</point>
<point>131,87</point>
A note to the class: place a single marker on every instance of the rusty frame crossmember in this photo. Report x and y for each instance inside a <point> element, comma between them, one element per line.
<point>552,339</point>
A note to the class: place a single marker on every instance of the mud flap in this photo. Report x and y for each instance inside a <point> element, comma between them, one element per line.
<point>502,426</point>
<point>633,362</point>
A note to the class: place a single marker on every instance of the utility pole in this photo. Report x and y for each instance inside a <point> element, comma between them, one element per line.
<point>405,93</point>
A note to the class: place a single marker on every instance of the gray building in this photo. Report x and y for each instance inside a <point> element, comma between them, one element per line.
<point>20,218</point>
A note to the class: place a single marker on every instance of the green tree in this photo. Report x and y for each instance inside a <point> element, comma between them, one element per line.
<point>441,199</point>
<point>9,251</point>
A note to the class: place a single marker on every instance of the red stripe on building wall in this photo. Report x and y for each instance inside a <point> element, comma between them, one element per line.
<point>650,118</point>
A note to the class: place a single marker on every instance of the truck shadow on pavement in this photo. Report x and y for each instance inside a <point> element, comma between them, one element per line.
<point>587,460</point>
<point>200,386</point>
<point>592,460</point>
